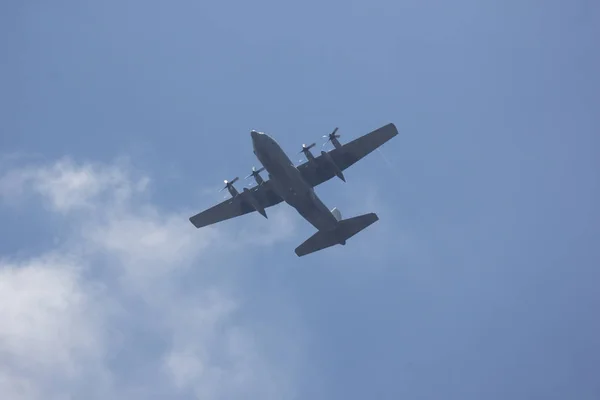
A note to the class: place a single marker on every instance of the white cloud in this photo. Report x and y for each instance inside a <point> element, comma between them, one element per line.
<point>52,323</point>
<point>14,387</point>
<point>75,320</point>
<point>69,187</point>
<point>49,292</point>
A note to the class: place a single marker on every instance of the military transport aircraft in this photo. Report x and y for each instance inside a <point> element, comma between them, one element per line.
<point>294,185</point>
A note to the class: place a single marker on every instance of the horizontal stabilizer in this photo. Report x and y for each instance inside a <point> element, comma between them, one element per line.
<point>345,230</point>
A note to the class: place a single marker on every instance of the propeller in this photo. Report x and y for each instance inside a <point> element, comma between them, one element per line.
<point>255,172</point>
<point>306,151</point>
<point>332,136</point>
<point>229,185</point>
<point>306,148</point>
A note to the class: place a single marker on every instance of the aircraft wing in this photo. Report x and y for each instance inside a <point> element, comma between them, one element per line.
<point>261,196</point>
<point>320,169</point>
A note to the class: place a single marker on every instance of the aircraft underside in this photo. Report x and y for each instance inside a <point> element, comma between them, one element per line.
<point>295,186</point>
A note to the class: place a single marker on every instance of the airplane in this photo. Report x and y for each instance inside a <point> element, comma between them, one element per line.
<point>295,185</point>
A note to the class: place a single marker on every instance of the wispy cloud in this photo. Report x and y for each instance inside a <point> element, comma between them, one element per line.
<point>76,319</point>
<point>67,186</point>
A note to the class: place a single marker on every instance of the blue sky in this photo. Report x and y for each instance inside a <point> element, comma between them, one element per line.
<point>120,119</point>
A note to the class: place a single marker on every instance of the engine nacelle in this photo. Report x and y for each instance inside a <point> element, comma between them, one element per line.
<point>333,137</point>
<point>259,180</point>
<point>256,174</point>
<point>338,171</point>
<point>306,151</point>
<point>233,191</point>
<point>230,188</point>
<point>253,201</point>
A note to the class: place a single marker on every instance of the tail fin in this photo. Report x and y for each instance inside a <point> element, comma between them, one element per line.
<point>336,213</point>
<point>345,229</point>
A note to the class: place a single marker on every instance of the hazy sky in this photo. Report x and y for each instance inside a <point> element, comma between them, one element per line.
<point>120,119</point>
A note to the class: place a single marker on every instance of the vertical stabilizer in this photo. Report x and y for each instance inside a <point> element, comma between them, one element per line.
<point>336,213</point>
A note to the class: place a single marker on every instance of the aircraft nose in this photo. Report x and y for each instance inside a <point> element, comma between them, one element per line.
<point>254,134</point>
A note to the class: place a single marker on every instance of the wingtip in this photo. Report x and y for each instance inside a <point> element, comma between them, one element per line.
<point>392,126</point>
<point>191,219</point>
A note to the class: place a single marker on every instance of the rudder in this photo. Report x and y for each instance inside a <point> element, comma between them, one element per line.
<point>336,214</point>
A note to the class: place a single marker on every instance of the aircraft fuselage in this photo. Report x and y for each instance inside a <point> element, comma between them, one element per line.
<point>288,183</point>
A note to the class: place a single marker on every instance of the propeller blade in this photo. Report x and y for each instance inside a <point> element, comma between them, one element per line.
<point>255,172</point>
<point>331,137</point>
<point>332,134</point>
<point>306,148</point>
<point>228,184</point>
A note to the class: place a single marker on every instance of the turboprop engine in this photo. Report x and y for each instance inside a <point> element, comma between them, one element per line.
<point>229,186</point>
<point>333,138</point>
<point>306,151</point>
<point>337,170</point>
<point>256,174</point>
